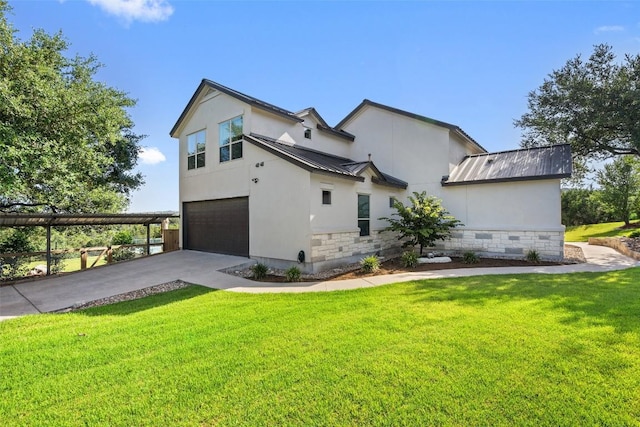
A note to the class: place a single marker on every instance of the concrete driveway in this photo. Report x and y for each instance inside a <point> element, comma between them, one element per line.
<point>56,293</point>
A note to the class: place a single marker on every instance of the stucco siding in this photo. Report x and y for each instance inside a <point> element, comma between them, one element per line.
<point>278,212</point>
<point>506,205</point>
<point>414,151</point>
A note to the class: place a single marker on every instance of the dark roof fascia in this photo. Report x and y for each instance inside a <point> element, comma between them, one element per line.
<point>291,159</point>
<point>237,95</point>
<point>499,180</point>
<point>414,116</point>
<point>380,178</point>
<point>339,133</point>
<point>313,112</point>
<point>324,126</point>
<point>388,183</point>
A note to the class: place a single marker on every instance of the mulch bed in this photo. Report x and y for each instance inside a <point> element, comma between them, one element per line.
<point>573,255</point>
<point>394,266</point>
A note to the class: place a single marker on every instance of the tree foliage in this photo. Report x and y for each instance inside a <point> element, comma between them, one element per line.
<point>423,223</point>
<point>584,206</point>
<point>66,139</point>
<point>620,183</point>
<point>594,105</point>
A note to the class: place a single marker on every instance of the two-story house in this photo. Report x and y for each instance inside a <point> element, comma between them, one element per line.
<point>280,187</point>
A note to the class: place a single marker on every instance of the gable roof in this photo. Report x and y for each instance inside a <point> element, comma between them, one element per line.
<point>254,102</point>
<point>453,128</point>
<point>323,126</point>
<point>320,162</point>
<point>550,162</point>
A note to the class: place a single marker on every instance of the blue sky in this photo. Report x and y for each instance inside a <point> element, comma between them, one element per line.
<point>467,63</point>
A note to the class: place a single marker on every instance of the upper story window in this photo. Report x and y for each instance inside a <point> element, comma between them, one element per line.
<point>196,144</point>
<point>307,133</point>
<point>231,139</point>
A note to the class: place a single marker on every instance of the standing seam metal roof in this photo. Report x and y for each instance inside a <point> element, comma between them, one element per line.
<point>318,161</point>
<point>514,165</point>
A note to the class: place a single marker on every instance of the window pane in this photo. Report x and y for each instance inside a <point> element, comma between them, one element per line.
<point>201,137</point>
<point>225,136</point>
<point>200,160</point>
<point>363,206</point>
<point>191,144</point>
<point>191,162</point>
<point>363,224</point>
<point>236,150</point>
<point>224,154</point>
<point>326,197</point>
<point>236,128</point>
<point>200,147</point>
<point>392,201</point>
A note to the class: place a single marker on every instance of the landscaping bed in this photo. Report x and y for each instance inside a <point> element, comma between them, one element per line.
<point>573,255</point>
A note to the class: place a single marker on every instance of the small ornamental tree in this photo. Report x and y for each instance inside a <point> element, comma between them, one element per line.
<point>423,223</point>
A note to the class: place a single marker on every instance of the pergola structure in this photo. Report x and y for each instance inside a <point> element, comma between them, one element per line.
<point>67,220</point>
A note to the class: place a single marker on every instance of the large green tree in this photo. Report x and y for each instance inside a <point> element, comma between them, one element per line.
<point>594,105</point>
<point>66,140</point>
<point>620,183</point>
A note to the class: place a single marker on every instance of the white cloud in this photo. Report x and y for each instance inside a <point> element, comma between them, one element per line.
<point>136,10</point>
<point>151,156</point>
<point>609,29</point>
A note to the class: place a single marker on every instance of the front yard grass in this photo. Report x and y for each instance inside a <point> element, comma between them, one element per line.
<point>526,350</point>
<point>581,233</point>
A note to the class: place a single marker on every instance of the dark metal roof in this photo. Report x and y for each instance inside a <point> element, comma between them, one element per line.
<point>320,162</point>
<point>323,126</point>
<point>43,220</point>
<point>456,129</point>
<point>527,164</point>
<point>255,102</point>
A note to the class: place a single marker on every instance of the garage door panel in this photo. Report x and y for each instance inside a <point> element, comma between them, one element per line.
<point>220,226</point>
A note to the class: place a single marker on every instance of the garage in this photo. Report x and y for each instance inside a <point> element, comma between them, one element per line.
<point>220,226</point>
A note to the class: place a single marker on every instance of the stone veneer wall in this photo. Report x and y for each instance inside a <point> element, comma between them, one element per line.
<point>507,243</point>
<point>335,246</point>
<point>333,249</point>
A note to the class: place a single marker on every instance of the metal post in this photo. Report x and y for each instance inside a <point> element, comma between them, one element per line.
<point>48,250</point>
<point>148,240</point>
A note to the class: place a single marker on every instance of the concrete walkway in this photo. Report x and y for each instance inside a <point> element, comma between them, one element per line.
<point>202,268</point>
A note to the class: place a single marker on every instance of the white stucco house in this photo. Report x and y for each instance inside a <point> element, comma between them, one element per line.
<point>280,187</point>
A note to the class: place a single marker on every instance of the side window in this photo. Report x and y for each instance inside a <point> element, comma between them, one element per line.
<point>230,139</point>
<point>307,133</point>
<point>392,200</point>
<point>196,144</point>
<point>326,197</point>
<point>363,214</point>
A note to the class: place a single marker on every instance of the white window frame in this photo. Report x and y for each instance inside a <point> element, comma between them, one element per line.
<point>233,142</point>
<point>199,149</point>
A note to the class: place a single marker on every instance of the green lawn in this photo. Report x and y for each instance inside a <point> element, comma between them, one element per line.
<point>526,350</point>
<point>581,233</point>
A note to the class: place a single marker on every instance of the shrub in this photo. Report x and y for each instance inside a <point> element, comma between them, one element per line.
<point>370,264</point>
<point>533,256</point>
<point>259,271</point>
<point>423,223</point>
<point>122,237</point>
<point>409,259</point>
<point>122,254</point>
<point>470,257</point>
<point>292,274</point>
<point>635,234</point>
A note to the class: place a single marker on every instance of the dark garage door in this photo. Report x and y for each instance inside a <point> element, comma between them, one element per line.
<point>220,226</point>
